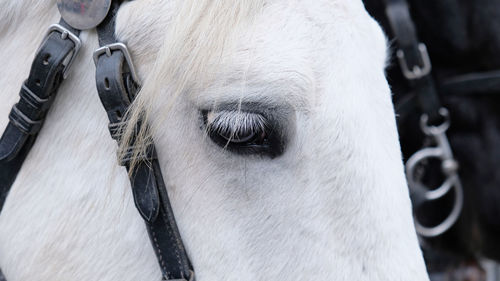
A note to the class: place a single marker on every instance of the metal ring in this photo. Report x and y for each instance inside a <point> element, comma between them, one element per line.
<point>450,220</point>
<point>432,130</point>
<point>441,191</point>
<point>412,164</point>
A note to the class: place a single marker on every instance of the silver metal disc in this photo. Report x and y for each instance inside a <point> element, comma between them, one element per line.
<point>83,14</point>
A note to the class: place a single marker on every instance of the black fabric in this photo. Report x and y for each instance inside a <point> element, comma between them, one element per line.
<point>36,95</point>
<point>116,91</point>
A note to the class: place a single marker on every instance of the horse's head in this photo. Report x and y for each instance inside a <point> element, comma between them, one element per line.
<point>275,128</point>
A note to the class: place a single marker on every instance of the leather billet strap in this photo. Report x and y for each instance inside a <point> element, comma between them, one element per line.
<point>117,88</point>
<point>37,94</point>
<point>412,55</point>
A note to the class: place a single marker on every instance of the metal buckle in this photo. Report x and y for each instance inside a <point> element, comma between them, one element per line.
<point>417,71</point>
<point>66,34</point>
<point>120,47</point>
<point>449,167</point>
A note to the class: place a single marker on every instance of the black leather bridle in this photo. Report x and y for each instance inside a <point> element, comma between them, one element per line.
<point>416,68</point>
<point>117,85</point>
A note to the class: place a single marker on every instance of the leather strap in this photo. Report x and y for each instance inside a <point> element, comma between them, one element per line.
<point>478,83</point>
<point>116,90</point>
<point>114,78</point>
<point>412,55</point>
<point>404,32</point>
<point>36,96</point>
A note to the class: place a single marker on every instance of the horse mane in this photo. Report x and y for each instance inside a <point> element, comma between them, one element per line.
<point>200,33</point>
<point>13,12</point>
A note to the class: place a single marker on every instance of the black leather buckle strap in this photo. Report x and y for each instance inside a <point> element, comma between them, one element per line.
<point>37,93</point>
<point>413,58</point>
<point>117,85</point>
<point>434,120</point>
<point>416,67</point>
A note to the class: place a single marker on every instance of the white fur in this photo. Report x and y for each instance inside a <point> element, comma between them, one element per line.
<point>334,206</point>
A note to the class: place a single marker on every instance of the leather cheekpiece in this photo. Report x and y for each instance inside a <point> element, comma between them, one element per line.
<point>36,95</point>
<point>404,31</point>
<point>116,90</point>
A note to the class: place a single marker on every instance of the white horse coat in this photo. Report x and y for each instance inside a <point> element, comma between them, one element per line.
<point>333,206</point>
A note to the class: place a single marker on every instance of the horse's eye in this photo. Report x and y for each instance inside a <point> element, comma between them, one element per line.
<point>241,132</point>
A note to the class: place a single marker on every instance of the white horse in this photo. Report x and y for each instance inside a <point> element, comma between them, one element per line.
<point>332,205</point>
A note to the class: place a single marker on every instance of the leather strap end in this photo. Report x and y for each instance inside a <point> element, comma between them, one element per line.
<point>145,190</point>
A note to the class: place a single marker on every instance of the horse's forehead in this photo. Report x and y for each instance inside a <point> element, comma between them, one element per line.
<point>281,48</point>
<point>144,23</point>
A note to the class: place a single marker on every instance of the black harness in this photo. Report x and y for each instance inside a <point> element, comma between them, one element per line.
<point>117,85</point>
<point>416,68</point>
<point>36,96</point>
<point>465,79</point>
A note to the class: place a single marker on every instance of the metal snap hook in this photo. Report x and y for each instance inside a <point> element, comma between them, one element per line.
<point>450,220</point>
<point>411,167</point>
<point>433,130</point>
<point>449,167</point>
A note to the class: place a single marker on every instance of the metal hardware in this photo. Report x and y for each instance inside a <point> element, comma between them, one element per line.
<point>83,15</point>
<point>417,71</point>
<point>118,47</point>
<point>33,100</point>
<point>23,122</point>
<point>449,167</point>
<point>66,34</point>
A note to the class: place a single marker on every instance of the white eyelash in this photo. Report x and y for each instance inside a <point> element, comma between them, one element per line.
<point>231,123</point>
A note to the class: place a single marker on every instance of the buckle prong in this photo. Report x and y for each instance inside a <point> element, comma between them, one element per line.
<point>118,47</point>
<point>66,34</point>
<point>108,51</point>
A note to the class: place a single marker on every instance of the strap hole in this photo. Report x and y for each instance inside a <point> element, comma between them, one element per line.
<point>38,82</point>
<point>118,114</point>
<point>46,59</point>
<point>106,83</point>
